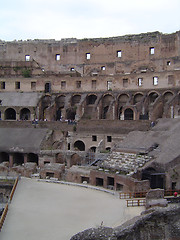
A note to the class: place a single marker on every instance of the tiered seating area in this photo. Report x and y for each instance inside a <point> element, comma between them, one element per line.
<point>124,162</point>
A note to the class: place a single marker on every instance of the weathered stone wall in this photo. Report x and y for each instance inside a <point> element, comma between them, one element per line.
<point>163,223</point>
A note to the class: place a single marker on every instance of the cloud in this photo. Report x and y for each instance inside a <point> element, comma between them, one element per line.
<point>23,19</point>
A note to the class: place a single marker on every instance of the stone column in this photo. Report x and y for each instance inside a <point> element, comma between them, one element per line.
<point>25,158</point>
<point>10,160</point>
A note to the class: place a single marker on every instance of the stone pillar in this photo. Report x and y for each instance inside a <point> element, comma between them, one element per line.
<point>25,158</point>
<point>10,160</point>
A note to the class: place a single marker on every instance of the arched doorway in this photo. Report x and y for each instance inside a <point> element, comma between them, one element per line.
<point>138,97</point>
<point>10,114</point>
<point>152,97</point>
<point>91,99</point>
<point>75,100</point>
<point>128,114</point>
<point>71,113</point>
<point>75,159</point>
<point>79,145</point>
<point>167,96</point>
<point>25,114</point>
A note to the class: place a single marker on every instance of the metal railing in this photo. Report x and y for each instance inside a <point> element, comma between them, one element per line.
<point>136,202</point>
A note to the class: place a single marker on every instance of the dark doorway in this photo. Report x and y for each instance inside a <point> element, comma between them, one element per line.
<point>128,114</point>
<point>91,99</point>
<point>157,180</point>
<point>85,179</point>
<point>25,114</point>
<point>10,114</point>
<point>110,182</point>
<point>47,87</point>
<point>99,182</point>
<point>18,158</point>
<point>4,157</point>
<point>32,157</point>
<point>79,145</point>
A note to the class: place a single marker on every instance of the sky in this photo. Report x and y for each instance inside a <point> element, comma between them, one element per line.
<point>57,19</point>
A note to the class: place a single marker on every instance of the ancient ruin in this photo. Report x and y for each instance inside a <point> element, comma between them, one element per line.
<point>99,111</point>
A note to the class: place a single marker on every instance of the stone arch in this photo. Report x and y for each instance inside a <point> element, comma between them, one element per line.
<point>25,114</point>
<point>153,95</point>
<point>32,157</point>
<point>167,96</point>
<point>60,158</point>
<point>45,103</point>
<point>4,157</point>
<point>10,114</point>
<point>123,98</point>
<point>92,149</point>
<point>75,99</point>
<point>18,158</point>
<point>137,98</point>
<point>91,99</point>
<point>107,101</point>
<point>71,113</point>
<point>128,114</point>
<point>60,103</point>
<point>79,145</point>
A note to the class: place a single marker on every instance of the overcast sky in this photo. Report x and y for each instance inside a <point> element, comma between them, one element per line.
<point>56,19</point>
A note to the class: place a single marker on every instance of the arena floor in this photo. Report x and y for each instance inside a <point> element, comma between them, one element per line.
<point>41,210</point>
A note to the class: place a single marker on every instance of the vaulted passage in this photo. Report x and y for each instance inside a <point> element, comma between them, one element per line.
<point>91,99</point>
<point>128,114</point>
<point>71,113</point>
<point>10,114</point>
<point>25,114</point>
<point>79,145</point>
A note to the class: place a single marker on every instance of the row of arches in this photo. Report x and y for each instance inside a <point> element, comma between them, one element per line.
<point>11,114</point>
<point>66,106</point>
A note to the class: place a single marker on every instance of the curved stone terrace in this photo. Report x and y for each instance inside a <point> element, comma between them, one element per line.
<point>46,210</point>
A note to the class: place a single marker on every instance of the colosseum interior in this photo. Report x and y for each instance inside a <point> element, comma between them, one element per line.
<point>102,111</point>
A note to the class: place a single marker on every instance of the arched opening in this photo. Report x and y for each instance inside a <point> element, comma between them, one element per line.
<point>25,114</point>
<point>106,106</point>
<point>47,87</point>
<point>18,158</point>
<point>75,100</point>
<point>120,112</point>
<point>45,103</point>
<point>59,114</point>
<point>71,113</point>
<point>105,110</point>
<point>167,96</point>
<point>10,114</point>
<point>79,145</point>
<point>75,159</point>
<point>4,157</point>
<point>138,97</point>
<point>123,99</point>
<point>60,102</point>
<point>92,149</point>
<point>152,97</point>
<point>108,149</point>
<point>91,99</point>
<point>32,157</point>
<point>128,114</point>
<point>156,179</point>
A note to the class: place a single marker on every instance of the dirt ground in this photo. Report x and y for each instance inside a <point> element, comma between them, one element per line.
<point>41,210</point>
